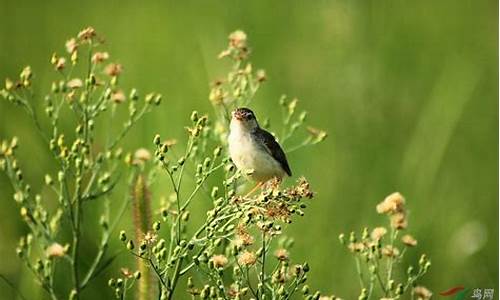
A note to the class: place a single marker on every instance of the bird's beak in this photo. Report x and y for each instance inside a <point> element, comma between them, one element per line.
<point>238,116</point>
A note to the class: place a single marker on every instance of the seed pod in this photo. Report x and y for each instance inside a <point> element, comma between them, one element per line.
<point>306,267</point>
<point>112,282</point>
<point>190,283</point>
<point>156,140</point>
<point>194,116</point>
<point>137,275</point>
<point>305,289</point>
<point>130,245</point>
<point>215,191</point>
<point>48,180</point>
<point>134,95</point>
<point>217,151</point>
<point>119,282</point>
<point>156,226</point>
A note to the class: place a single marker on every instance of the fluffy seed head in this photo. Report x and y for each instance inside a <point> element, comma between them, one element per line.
<point>247,258</point>
<point>409,240</point>
<point>378,233</point>
<point>219,260</point>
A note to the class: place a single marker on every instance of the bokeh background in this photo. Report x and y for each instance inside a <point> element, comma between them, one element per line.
<point>407,91</point>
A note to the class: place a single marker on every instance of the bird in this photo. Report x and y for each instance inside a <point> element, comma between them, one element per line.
<point>255,151</point>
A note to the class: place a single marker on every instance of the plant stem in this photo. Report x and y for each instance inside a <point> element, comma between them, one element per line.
<point>360,274</point>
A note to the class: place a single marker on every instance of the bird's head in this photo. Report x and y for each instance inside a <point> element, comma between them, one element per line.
<point>244,118</point>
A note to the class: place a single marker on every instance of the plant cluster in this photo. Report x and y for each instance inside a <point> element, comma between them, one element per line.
<point>377,253</point>
<point>88,169</point>
<point>238,250</point>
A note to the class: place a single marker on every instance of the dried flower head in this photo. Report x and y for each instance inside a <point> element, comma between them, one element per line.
<point>238,39</point>
<point>356,247</point>
<point>60,63</point>
<point>219,261</point>
<point>392,204</point>
<point>422,293</point>
<point>281,254</point>
<point>142,155</point>
<point>99,57</point>
<point>87,34</point>
<point>126,273</point>
<point>75,83</point>
<point>217,95</point>
<point>409,240</point>
<point>398,221</point>
<point>390,251</point>
<point>118,96</point>
<point>247,258</point>
<point>55,250</point>
<point>113,69</point>
<point>318,134</point>
<point>150,237</point>
<point>242,236</point>
<point>170,142</point>
<point>301,190</point>
<point>71,45</point>
<point>261,75</point>
<point>378,233</point>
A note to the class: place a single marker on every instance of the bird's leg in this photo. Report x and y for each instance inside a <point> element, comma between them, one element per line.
<point>259,184</point>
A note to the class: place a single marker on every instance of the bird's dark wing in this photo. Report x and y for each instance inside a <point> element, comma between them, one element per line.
<point>273,148</point>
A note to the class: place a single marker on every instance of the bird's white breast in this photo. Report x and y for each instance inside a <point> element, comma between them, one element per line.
<point>248,155</point>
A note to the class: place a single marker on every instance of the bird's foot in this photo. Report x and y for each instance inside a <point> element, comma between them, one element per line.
<point>254,189</point>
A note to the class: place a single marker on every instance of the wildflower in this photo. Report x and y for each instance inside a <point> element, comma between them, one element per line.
<point>118,96</point>
<point>217,95</point>
<point>26,73</point>
<point>261,75</point>
<point>75,83</point>
<point>9,84</point>
<point>247,258</point>
<point>142,155</point>
<point>378,233</point>
<point>422,293</point>
<point>408,240</point>
<point>87,33</point>
<point>71,45</point>
<point>150,238</point>
<point>55,250</point>
<point>356,247</point>
<point>238,39</point>
<point>219,261</point>
<point>281,254</point>
<point>391,204</point>
<point>243,236</point>
<point>113,69</point>
<point>318,134</point>
<point>398,221</point>
<point>301,190</point>
<point>60,63</point>
<point>390,251</point>
<point>99,57</point>
<point>126,272</point>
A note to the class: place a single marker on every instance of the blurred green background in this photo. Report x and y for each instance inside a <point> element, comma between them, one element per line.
<point>407,91</point>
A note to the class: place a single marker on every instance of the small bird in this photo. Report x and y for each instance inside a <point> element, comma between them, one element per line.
<point>254,149</point>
